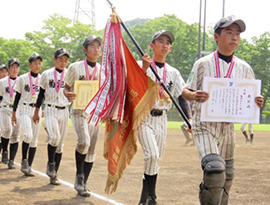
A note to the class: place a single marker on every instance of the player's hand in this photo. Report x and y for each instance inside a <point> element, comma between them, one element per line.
<point>14,119</point>
<point>190,129</point>
<point>201,96</point>
<point>259,100</point>
<point>70,96</point>
<point>36,118</point>
<point>146,62</point>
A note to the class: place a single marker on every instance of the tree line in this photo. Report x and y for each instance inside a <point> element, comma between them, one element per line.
<point>59,31</point>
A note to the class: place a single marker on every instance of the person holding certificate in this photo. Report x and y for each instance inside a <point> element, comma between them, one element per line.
<point>215,141</point>
<point>85,70</point>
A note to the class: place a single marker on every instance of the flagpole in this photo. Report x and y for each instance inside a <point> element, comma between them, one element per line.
<point>160,81</point>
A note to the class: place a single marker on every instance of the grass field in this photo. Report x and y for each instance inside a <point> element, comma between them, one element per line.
<point>177,125</point>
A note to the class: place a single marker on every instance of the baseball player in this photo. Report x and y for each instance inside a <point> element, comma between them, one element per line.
<point>3,73</point>
<point>86,134</point>
<point>215,141</point>
<point>250,130</point>
<point>27,89</point>
<point>10,134</point>
<point>56,112</point>
<point>153,129</point>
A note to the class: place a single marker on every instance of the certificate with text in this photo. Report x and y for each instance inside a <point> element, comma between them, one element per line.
<point>85,91</point>
<point>231,100</point>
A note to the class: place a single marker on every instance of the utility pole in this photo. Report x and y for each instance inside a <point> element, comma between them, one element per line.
<point>85,12</point>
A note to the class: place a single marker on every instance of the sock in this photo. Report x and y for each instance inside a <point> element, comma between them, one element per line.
<point>25,147</point>
<point>31,155</point>
<point>144,194</point>
<point>0,147</point>
<point>57,159</point>
<point>4,143</point>
<point>79,162</point>
<point>51,153</point>
<point>87,167</point>
<point>151,184</point>
<point>13,150</point>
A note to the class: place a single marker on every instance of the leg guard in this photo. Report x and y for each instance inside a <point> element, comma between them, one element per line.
<point>211,189</point>
<point>228,182</point>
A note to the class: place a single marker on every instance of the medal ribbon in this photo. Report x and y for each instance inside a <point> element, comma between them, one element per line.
<point>87,71</point>
<point>217,65</point>
<point>58,86</point>
<point>33,90</point>
<point>164,76</point>
<point>10,88</point>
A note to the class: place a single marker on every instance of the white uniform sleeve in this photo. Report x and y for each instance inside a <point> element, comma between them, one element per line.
<point>19,85</point>
<point>70,75</point>
<point>43,81</point>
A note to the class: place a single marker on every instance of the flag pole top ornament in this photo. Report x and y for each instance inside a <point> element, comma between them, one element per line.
<point>114,17</point>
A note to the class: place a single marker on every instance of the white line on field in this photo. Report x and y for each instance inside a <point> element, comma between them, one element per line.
<point>72,186</point>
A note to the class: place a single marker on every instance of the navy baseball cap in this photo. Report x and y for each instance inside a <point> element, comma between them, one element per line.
<point>12,61</point>
<point>61,52</point>
<point>163,33</point>
<point>229,20</point>
<point>34,57</point>
<point>90,39</point>
<point>3,66</point>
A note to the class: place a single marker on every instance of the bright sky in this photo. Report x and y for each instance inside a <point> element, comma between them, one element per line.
<point>21,16</point>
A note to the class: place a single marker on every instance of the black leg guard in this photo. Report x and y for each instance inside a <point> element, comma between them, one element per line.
<point>57,159</point>
<point>228,182</point>
<point>211,189</point>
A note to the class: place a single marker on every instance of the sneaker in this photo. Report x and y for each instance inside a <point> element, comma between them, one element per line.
<point>29,173</point>
<point>11,164</point>
<point>5,157</point>
<point>51,170</point>
<point>188,141</point>
<point>55,181</point>
<point>79,183</point>
<point>151,201</point>
<point>24,166</point>
<point>84,193</point>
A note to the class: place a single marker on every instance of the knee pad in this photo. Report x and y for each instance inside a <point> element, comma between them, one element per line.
<point>211,189</point>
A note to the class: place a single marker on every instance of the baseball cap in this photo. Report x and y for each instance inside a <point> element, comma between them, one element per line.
<point>229,20</point>
<point>163,33</point>
<point>90,39</point>
<point>61,52</point>
<point>34,57</point>
<point>12,61</point>
<point>3,66</point>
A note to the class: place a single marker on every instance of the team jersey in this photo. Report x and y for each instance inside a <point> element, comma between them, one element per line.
<point>47,82</point>
<point>174,83</point>
<point>5,92</point>
<point>22,86</point>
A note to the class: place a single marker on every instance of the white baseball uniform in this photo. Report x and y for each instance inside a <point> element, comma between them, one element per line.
<point>250,127</point>
<point>27,107</point>
<point>153,129</point>
<point>214,137</point>
<point>7,130</point>
<point>56,114</point>
<point>86,134</point>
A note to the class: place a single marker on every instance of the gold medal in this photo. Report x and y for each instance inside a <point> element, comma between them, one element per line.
<point>33,98</point>
<point>161,103</point>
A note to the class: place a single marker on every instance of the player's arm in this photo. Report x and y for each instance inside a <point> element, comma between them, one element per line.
<point>69,95</point>
<point>259,100</point>
<point>198,95</point>
<point>15,106</point>
<point>1,98</point>
<point>41,97</point>
<point>184,104</point>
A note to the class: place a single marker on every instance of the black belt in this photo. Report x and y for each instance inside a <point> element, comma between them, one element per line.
<point>7,106</point>
<point>58,107</point>
<point>156,112</point>
<point>30,104</point>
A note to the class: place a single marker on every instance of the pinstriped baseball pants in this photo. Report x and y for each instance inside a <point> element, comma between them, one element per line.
<point>7,130</point>
<point>55,123</point>
<point>152,134</point>
<point>86,134</point>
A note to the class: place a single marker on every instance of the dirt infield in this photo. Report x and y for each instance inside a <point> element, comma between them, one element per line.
<point>178,179</point>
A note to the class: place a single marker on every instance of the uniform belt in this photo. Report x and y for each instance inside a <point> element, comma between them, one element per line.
<point>30,104</point>
<point>7,106</point>
<point>156,112</point>
<point>58,107</point>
